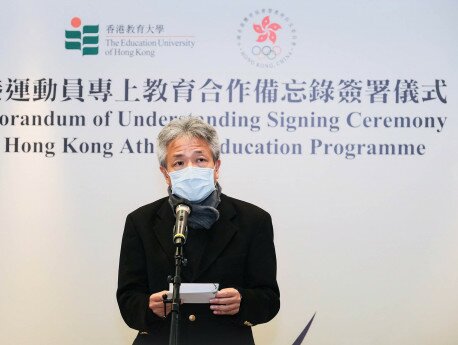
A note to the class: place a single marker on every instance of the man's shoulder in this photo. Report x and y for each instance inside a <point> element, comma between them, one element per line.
<point>240,207</point>
<point>244,207</point>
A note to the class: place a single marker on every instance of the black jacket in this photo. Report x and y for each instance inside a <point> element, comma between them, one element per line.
<point>240,254</point>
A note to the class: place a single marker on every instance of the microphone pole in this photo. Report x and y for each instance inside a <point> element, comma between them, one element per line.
<point>180,232</point>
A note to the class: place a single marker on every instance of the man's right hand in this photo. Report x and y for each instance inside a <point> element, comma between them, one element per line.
<point>156,304</point>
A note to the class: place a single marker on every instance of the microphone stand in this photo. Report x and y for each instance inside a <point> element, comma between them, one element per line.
<point>176,300</point>
<point>179,239</point>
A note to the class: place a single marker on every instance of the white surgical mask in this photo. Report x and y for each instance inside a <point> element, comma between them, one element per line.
<point>192,183</point>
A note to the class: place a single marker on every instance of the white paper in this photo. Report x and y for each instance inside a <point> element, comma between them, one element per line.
<point>196,292</point>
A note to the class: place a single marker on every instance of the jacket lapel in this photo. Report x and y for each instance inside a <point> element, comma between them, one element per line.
<point>220,235</point>
<point>163,230</point>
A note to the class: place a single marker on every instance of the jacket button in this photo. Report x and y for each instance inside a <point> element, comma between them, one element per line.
<point>192,317</point>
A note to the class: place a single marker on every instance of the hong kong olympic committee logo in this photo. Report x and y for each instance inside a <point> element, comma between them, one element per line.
<point>85,39</point>
<point>266,38</point>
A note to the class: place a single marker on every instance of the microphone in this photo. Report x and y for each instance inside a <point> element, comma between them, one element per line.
<point>180,230</point>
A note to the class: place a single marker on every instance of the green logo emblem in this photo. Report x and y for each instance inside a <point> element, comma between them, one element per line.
<point>86,39</point>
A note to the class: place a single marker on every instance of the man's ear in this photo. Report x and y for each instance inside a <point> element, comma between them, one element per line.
<point>216,168</point>
<point>166,175</point>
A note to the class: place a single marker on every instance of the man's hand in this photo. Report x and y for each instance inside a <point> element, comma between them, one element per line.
<point>226,302</point>
<point>156,304</point>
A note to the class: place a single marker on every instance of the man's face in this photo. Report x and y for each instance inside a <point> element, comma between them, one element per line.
<point>186,152</point>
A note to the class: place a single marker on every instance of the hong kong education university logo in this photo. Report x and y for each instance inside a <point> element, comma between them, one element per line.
<point>84,38</point>
<point>266,38</point>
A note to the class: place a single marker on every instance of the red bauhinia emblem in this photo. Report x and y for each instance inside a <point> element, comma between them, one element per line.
<point>266,30</point>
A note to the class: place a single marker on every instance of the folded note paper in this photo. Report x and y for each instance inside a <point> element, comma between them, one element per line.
<point>196,292</point>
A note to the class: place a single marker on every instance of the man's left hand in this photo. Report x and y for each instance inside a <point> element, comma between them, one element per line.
<point>226,302</point>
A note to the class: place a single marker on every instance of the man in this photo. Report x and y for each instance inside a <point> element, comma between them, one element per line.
<point>229,242</point>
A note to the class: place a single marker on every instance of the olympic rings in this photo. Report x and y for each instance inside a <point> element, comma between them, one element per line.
<point>267,51</point>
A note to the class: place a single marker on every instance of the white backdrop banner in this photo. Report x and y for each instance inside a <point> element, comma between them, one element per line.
<point>337,117</point>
